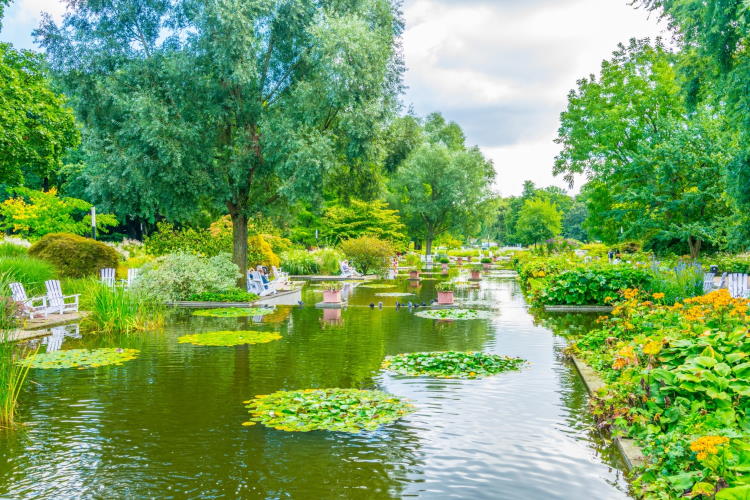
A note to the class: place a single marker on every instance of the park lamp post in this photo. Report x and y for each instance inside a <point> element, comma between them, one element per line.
<point>93,222</point>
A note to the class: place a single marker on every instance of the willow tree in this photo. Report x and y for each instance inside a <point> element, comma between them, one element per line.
<point>237,105</point>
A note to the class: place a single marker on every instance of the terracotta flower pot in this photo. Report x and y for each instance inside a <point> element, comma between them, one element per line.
<point>332,297</point>
<point>444,267</point>
<point>486,267</point>
<point>460,260</point>
<point>445,298</point>
<point>332,314</point>
<point>475,275</point>
<point>414,275</point>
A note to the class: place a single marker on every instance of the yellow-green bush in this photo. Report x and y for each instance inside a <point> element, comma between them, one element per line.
<point>259,252</point>
<point>133,263</point>
<point>74,256</point>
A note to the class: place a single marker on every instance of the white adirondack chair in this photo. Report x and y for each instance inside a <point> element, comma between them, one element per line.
<point>107,276</point>
<point>737,285</point>
<point>261,288</point>
<point>59,303</point>
<point>57,335</point>
<point>132,276</point>
<point>279,276</point>
<point>723,281</point>
<point>348,271</point>
<point>31,306</point>
<point>708,282</point>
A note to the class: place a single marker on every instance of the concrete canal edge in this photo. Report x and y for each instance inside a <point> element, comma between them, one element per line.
<point>601,309</point>
<point>630,451</point>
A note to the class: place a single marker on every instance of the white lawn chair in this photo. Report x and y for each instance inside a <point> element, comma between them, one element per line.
<point>31,306</point>
<point>737,285</point>
<point>708,282</point>
<point>57,335</point>
<point>107,276</point>
<point>132,276</point>
<point>348,271</point>
<point>279,276</point>
<point>59,303</point>
<point>262,288</point>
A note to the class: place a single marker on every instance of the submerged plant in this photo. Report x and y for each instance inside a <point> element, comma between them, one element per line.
<point>80,358</point>
<point>229,338</point>
<point>233,312</point>
<point>462,314</point>
<point>12,378</point>
<point>451,364</point>
<point>344,410</point>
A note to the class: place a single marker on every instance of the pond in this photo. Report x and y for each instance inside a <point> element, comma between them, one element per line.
<point>168,424</point>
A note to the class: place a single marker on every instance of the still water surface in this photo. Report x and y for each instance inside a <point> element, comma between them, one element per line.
<point>168,424</point>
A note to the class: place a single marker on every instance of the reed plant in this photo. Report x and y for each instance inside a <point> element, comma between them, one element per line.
<point>678,283</point>
<point>12,378</point>
<point>118,310</point>
<point>30,271</point>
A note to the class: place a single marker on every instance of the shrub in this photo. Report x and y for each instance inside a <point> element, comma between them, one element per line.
<point>299,262</point>
<point>260,253</point>
<point>168,240</point>
<point>594,285</point>
<point>74,255</point>
<point>133,263</point>
<point>233,295</point>
<point>278,244</point>
<point>368,254</point>
<point>678,283</point>
<point>730,263</point>
<point>180,276</point>
<point>446,286</point>
<point>12,250</point>
<point>332,286</point>
<point>27,270</point>
<point>328,259</point>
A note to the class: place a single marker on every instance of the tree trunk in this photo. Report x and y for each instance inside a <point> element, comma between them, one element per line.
<point>417,245</point>
<point>239,247</point>
<point>695,247</point>
<point>428,246</point>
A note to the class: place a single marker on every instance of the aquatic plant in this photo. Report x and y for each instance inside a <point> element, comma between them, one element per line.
<point>229,338</point>
<point>463,314</point>
<point>233,312</point>
<point>344,410</point>
<point>79,358</point>
<point>232,295</point>
<point>451,364</point>
<point>12,378</point>
<point>378,286</point>
<point>117,310</point>
<point>393,294</point>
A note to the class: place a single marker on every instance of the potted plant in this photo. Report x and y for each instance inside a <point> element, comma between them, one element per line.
<point>332,292</point>
<point>445,291</point>
<point>414,274</point>
<point>475,273</point>
<point>486,263</point>
<point>444,261</point>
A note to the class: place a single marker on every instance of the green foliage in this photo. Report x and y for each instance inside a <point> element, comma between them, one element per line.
<point>244,131</point>
<point>299,262</point>
<point>228,338</point>
<point>538,220</point>
<point>79,358</point>
<point>729,263</point>
<point>377,286</point>
<point>117,310</point>
<point>452,314</point>
<point>233,312</point>
<point>33,214</point>
<point>74,256</point>
<point>12,375</point>
<point>368,254</point>
<point>260,253</point>
<point>12,250</point>
<point>592,285</point>
<point>332,286</point>
<point>232,295</point>
<point>180,276</point>
<point>30,271</point>
<point>341,410</point>
<point>37,125</point>
<point>678,283</point>
<point>445,286</point>
<point>167,240</point>
<point>359,218</point>
<point>328,260</point>
<point>451,364</point>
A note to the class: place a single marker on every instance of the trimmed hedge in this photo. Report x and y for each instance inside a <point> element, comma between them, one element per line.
<point>592,286</point>
<point>74,256</point>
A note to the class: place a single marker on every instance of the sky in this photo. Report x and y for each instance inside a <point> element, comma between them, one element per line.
<point>501,69</point>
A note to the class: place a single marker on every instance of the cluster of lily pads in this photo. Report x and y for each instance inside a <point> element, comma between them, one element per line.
<point>459,314</point>
<point>344,410</point>
<point>229,338</point>
<point>233,312</point>
<point>393,294</point>
<point>378,286</point>
<point>451,364</point>
<point>80,358</point>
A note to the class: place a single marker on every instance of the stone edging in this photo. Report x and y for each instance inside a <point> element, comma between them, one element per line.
<point>601,309</point>
<point>630,451</point>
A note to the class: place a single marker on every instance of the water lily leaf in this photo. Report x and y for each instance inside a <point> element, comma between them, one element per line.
<point>451,364</point>
<point>233,312</point>
<point>458,314</point>
<point>229,338</point>
<point>80,358</point>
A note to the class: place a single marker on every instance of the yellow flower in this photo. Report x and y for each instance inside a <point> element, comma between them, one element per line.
<point>652,348</point>
<point>707,445</point>
<point>658,295</point>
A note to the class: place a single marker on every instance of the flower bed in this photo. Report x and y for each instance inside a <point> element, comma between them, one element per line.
<point>678,381</point>
<point>80,358</point>
<point>228,338</point>
<point>451,364</point>
<point>461,314</point>
<point>344,410</point>
<point>233,312</point>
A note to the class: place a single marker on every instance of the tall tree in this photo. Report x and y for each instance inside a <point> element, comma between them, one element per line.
<point>538,220</point>
<point>439,189</point>
<point>37,125</point>
<point>656,169</point>
<point>238,104</point>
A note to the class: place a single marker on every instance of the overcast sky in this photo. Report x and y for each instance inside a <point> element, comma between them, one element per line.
<point>502,69</point>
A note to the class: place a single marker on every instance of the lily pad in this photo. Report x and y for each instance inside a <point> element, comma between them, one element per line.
<point>80,358</point>
<point>378,286</point>
<point>229,338</point>
<point>233,312</point>
<point>343,410</point>
<point>393,294</point>
<point>451,364</point>
<point>463,314</point>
